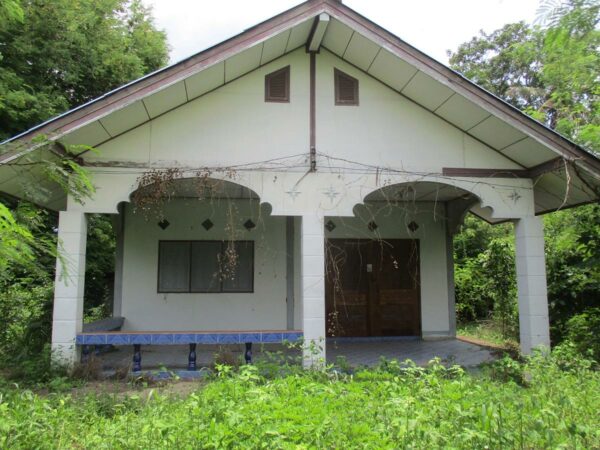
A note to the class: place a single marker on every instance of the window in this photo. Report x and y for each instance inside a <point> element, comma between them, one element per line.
<point>346,88</point>
<point>277,86</point>
<point>205,266</point>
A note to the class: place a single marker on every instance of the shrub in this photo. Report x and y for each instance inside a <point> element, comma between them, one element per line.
<point>583,331</point>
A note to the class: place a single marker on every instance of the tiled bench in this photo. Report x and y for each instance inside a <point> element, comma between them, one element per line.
<point>192,338</point>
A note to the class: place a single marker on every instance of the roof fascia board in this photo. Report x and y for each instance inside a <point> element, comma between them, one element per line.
<point>461,85</point>
<point>318,32</point>
<point>166,77</point>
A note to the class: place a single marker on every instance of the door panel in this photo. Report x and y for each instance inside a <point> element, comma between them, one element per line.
<point>346,293</point>
<point>398,288</point>
<point>372,287</point>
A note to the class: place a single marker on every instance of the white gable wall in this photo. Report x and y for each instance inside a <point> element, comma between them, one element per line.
<point>389,130</point>
<point>230,125</point>
<point>234,125</point>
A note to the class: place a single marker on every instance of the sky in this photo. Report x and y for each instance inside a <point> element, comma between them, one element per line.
<point>433,26</point>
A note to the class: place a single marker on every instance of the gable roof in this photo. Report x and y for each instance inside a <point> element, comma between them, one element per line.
<point>542,153</point>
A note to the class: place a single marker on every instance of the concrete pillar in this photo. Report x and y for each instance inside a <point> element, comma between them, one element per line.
<point>451,286</point>
<point>67,318</point>
<point>531,283</point>
<point>118,222</point>
<point>313,289</point>
<point>289,271</point>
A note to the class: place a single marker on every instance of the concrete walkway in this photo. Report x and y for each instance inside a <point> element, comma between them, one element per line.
<point>356,353</point>
<point>367,353</point>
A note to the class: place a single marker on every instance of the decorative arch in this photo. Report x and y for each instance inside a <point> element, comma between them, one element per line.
<point>114,187</point>
<point>458,200</point>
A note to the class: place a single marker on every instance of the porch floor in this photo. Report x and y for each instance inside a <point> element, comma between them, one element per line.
<point>368,353</point>
<point>356,353</point>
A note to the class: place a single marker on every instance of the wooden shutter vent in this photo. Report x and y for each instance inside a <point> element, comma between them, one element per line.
<point>346,89</point>
<point>277,86</point>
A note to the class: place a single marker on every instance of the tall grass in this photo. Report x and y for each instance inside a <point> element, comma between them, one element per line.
<point>543,403</point>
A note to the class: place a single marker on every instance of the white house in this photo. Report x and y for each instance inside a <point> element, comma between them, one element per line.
<point>315,168</point>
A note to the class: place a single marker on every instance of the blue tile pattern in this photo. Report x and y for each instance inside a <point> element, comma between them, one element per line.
<point>207,339</point>
<point>175,338</point>
<point>95,339</point>
<point>117,339</point>
<point>250,337</point>
<point>140,339</point>
<point>185,338</point>
<point>271,337</point>
<point>293,337</point>
<point>228,338</point>
<point>162,339</point>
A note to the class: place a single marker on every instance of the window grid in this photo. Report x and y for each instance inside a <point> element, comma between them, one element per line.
<point>221,283</point>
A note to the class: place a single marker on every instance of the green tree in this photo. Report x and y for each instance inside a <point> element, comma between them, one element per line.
<point>59,54</point>
<point>552,74</point>
<point>55,55</point>
<point>10,12</point>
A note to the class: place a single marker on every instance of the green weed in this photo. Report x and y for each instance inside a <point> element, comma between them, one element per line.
<point>394,405</point>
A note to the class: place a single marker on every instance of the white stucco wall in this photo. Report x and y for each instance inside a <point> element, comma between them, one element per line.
<point>230,125</point>
<point>145,309</point>
<point>388,129</point>
<point>233,125</point>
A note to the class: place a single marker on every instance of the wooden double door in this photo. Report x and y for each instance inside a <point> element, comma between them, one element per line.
<point>372,287</point>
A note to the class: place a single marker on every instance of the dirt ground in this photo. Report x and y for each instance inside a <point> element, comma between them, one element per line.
<point>125,388</point>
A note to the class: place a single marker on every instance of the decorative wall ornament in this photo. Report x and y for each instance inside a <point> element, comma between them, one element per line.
<point>413,226</point>
<point>514,196</point>
<point>164,224</point>
<point>330,225</point>
<point>293,193</point>
<point>331,193</point>
<point>249,225</point>
<point>372,225</point>
<point>207,224</point>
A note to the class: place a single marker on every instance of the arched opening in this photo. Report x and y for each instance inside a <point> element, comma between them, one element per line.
<point>190,244</point>
<point>389,268</point>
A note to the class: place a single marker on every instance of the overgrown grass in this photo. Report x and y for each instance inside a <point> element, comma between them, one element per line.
<point>485,330</point>
<point>547,402</point>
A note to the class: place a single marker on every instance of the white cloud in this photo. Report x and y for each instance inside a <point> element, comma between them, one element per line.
<point>433,26</point>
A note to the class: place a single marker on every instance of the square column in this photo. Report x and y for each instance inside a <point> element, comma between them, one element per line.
<point>313,289</point>
<point>67,318</point>
<point>534,323</point>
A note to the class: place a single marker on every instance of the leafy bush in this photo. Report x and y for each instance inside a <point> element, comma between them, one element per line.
<point>26,312</point>
<point>573,265</point>
<point>583,332</point>
<point>485,276</point>
<point>507,369</point>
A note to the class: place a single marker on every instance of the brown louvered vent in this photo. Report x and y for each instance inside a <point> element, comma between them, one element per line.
<point>277,86</point>
<point>346,88</point>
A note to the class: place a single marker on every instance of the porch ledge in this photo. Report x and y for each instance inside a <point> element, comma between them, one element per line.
<point>104,325</point>
<point>187,337</point>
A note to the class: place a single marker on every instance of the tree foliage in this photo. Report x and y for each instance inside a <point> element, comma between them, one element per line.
<point>552,74</point>
<point>58,54</point>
